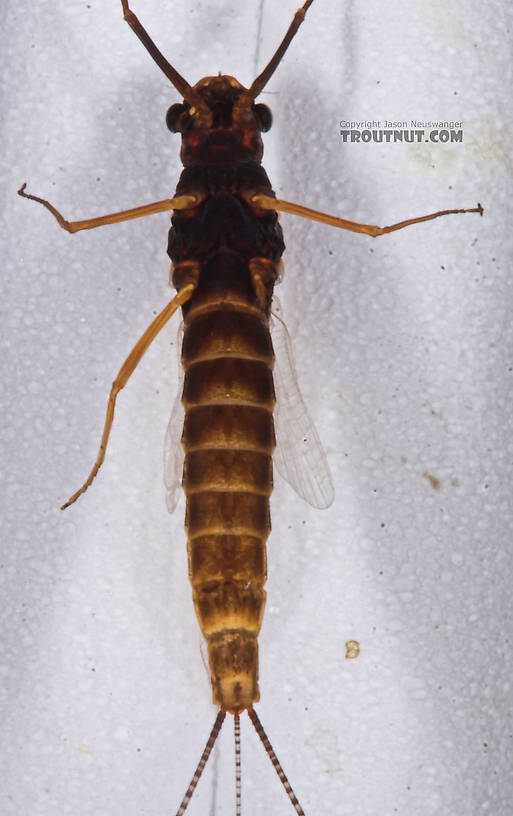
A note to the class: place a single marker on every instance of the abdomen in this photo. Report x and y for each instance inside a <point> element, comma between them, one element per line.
<point>228,440</point>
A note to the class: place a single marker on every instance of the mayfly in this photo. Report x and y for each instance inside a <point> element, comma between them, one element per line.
<point>225,245</point>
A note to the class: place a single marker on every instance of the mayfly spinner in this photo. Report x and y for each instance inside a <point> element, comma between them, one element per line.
<point>225,244</point>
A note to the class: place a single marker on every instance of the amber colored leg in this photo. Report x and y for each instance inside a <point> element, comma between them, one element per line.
<point>182,202</point>
<point>266,202</point>
<point>123,375</point>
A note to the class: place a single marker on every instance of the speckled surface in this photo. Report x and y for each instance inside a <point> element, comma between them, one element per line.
<point>404,352</point>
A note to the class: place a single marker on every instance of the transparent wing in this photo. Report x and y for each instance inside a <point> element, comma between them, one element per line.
<point>299,456</point>
<point>173,450</point>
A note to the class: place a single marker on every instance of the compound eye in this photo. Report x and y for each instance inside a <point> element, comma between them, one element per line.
<point>263,116</point>
<point>174,117</point>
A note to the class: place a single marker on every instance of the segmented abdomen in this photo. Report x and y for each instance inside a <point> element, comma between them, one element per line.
<point>228,439</point>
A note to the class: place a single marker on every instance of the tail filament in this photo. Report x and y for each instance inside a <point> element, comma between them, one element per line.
<point>203,761</point>
<point>236,732</point>
<point>268,748</point>
<point>259,728</point>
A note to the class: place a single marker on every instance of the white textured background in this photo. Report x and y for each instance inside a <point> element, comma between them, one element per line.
<point>404,350</point>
